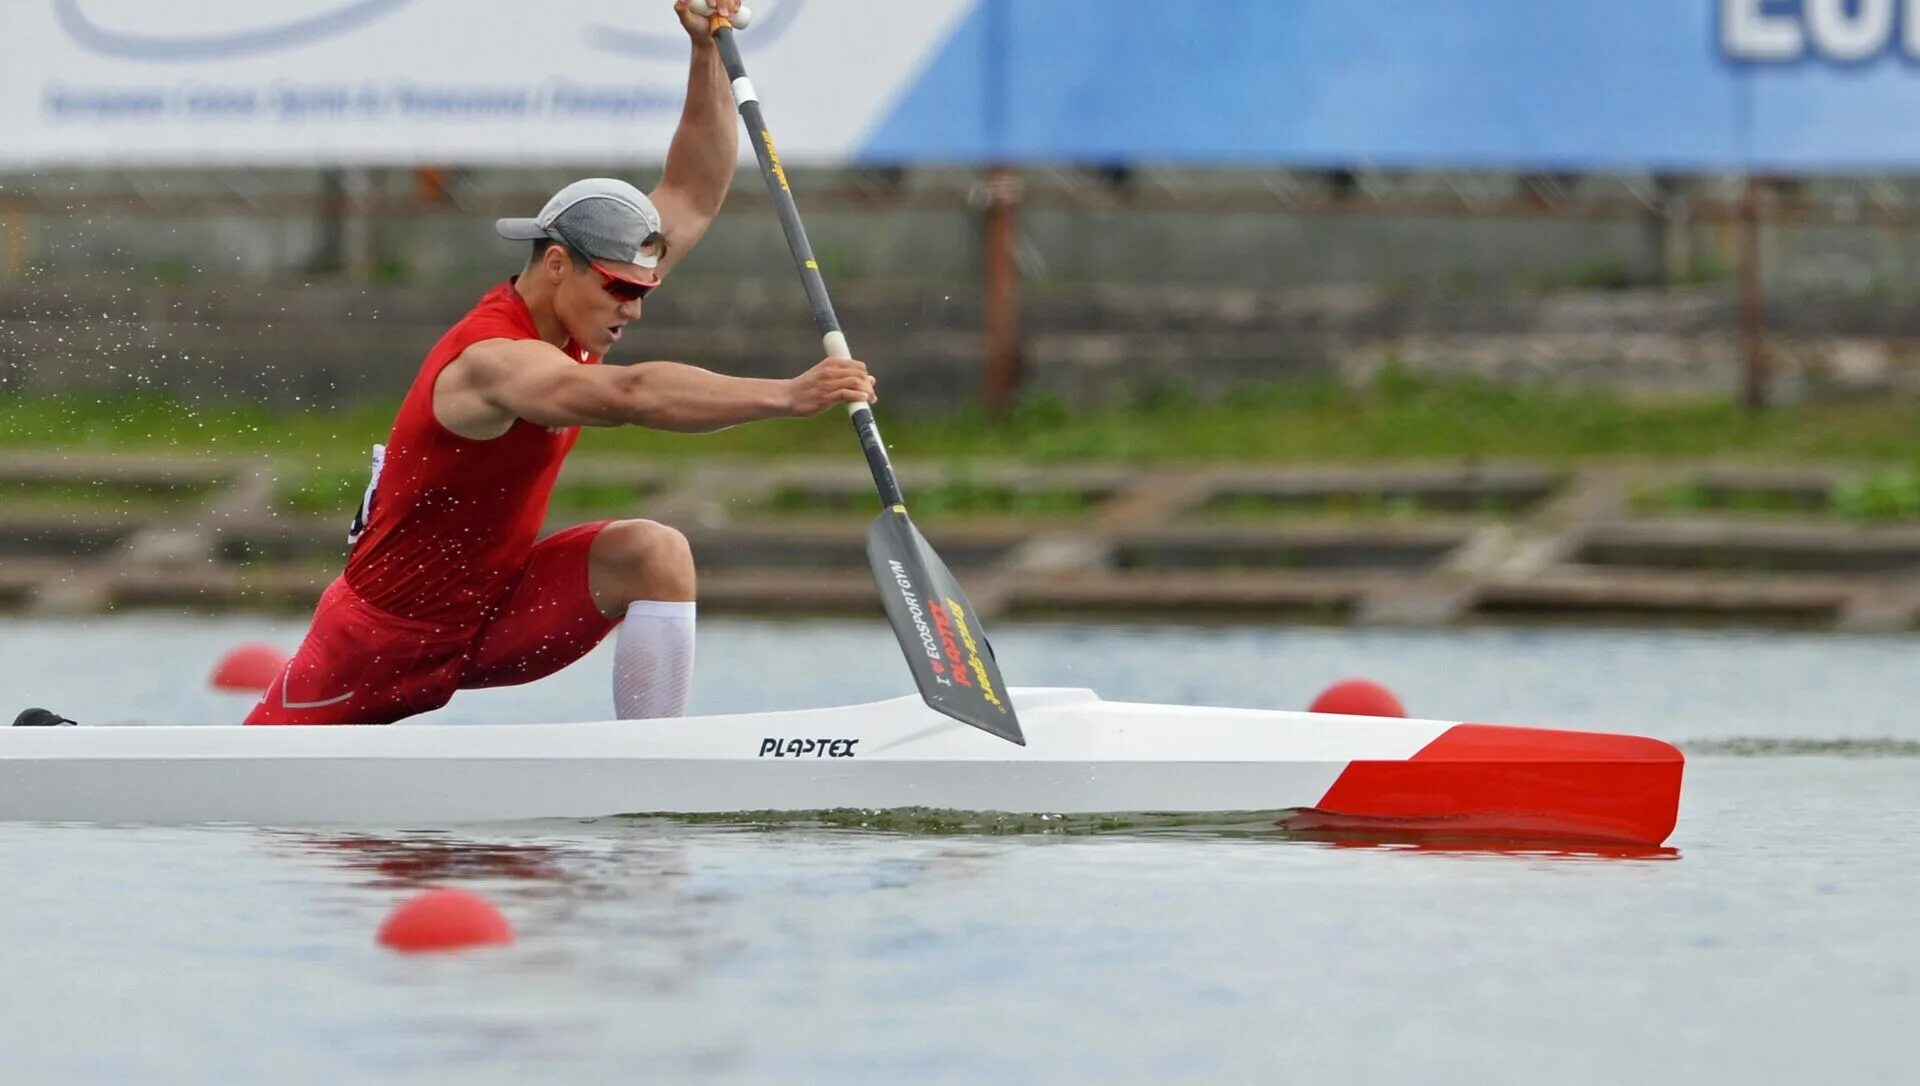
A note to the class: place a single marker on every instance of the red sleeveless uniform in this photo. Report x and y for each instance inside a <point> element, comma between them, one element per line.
<point>447,586</point>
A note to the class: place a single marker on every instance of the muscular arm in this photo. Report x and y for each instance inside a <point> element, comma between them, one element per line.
<point>494,382</point>
<point>702,156</point>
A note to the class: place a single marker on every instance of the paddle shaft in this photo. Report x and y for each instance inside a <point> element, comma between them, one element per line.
<point>947,651</point>
<point>832,337</point>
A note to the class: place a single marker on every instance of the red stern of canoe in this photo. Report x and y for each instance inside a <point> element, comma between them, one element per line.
<point>1490,781</point>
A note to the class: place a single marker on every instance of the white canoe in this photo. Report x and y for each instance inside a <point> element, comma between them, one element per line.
<point>1083,756</point>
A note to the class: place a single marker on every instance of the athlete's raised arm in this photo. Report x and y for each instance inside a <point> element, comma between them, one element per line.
<point>706,146</point>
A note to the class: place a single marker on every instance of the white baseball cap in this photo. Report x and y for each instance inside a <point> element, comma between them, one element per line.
<point>602,217</point>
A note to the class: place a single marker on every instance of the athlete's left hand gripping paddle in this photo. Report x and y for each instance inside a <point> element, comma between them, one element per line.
<point>945,646</point>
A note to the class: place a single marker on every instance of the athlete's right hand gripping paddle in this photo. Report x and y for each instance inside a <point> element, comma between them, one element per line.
<point>945,646</point>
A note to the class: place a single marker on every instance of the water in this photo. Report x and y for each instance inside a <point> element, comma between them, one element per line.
<point>1775,943</point>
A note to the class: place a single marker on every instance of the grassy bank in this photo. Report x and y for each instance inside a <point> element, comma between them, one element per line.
<point>1399,418</point>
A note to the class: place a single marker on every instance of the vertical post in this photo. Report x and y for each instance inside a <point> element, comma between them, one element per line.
<point>1001,304</point>
<point>356,227</point>
<point>13,242</point>
<point>332,212</point>
<point>432,185</point>
<point>1752,338</point>
<point>1000,270</point>
<point>13,268</point>
<point>1674,225</point>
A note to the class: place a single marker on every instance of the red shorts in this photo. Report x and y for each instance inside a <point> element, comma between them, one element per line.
<point>361,665</point>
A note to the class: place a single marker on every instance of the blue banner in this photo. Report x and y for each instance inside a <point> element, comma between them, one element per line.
<point>1680,85</point>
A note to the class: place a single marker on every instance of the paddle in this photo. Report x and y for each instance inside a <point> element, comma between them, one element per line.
<point>945,646</point>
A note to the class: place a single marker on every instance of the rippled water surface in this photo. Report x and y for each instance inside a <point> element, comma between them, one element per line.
<point>1773,943</point>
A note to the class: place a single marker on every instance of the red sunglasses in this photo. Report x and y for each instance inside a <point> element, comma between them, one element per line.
<point>621,287</point>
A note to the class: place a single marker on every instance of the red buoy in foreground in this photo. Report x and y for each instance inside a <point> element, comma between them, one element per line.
<point>252,666</point>
<point>444,919</point>
<point>1357,697</point>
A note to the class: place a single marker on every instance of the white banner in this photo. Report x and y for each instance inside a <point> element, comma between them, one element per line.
<point>371,82</point>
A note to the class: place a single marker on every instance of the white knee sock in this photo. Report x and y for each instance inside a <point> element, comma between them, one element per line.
<point>653,660</point>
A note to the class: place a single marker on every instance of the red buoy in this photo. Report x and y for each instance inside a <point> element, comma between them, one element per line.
<point>252,666</point>
<point>444,919</point>
<point>1357,697</point>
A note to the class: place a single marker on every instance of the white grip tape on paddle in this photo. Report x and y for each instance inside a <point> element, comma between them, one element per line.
<point>836,344</point>
<point>743,91</point>
<point>740,19</point>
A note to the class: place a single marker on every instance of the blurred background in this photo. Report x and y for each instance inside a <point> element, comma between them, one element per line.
<point>1333,309</point>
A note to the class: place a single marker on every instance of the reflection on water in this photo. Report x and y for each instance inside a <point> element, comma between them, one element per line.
<point>1759,746</point>
<point>1296,826</point>
<point>1440,846</point>
<point>944,821</point>
<point>554,891</point>
<point>419,860</point>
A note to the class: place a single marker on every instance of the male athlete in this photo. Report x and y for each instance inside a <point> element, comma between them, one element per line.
<point>445,586</point>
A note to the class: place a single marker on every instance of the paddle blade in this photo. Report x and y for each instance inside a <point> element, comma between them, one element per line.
<point>946,647</point>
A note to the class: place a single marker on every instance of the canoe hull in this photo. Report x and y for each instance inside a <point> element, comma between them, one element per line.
<point>1084,756</point>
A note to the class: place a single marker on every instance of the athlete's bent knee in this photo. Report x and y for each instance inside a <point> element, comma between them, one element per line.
<point>647,543</point>
<point>649,560</point>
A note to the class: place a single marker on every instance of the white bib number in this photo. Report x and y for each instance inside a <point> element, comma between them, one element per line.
<point>365,513</point>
